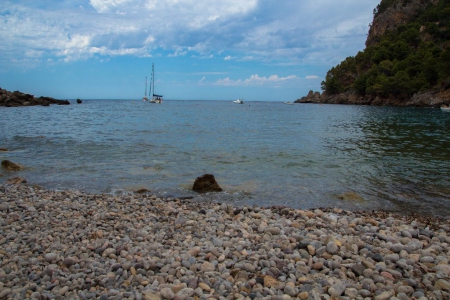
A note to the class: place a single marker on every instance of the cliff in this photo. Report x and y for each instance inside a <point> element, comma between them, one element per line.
<point>406,61</point>
<point>389,16</point>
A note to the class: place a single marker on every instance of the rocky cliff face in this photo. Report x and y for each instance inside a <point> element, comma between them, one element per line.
<point>393,17</point>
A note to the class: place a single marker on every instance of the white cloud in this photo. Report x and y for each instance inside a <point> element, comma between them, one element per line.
<point>288,31</point>
<point>256,80</point>
<point>311,77</point>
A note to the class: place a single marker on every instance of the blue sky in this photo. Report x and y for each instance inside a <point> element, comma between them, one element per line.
<point>264,50</point>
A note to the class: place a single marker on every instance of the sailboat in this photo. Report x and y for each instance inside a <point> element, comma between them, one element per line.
<point>156,98</point>
<point>145,98</point>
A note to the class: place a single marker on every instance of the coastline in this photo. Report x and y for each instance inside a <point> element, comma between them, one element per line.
<point>432,99</point>
<point>74,245</point>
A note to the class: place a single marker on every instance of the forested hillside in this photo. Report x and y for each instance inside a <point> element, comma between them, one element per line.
<point>407,57</point>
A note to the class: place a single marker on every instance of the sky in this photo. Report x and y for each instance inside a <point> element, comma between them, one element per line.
<point>258,50</point>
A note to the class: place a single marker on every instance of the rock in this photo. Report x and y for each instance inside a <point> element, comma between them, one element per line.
<point>17,99</point>
<point>269,282</point>
<point>442,284</point>
<point>332,248</point>
<point>10,166</point>
<point>273,230</point>
<point>204,286</point>
<point>4,293</point>
<point>206,183</point>
<point>207,267</point>
<point>16,180</point>
<point>49,257</point>
<point>167,293</point>
<point>351,196</point>
<point>3,150</point>
<point>336,290</point>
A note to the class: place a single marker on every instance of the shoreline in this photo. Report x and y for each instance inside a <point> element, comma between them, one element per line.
<point>74,245</point>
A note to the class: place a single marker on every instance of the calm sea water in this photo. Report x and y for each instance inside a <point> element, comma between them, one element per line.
<point>264,153</point>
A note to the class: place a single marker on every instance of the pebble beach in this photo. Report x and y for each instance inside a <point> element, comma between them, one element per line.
<point>75,245</point>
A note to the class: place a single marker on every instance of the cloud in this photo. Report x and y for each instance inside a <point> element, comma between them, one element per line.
<point>263,30</point>
<point>311,77</point>
<point>256,80</point>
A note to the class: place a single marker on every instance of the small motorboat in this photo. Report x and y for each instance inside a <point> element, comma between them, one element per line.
<point>445,108</point>
<point>238,101</point>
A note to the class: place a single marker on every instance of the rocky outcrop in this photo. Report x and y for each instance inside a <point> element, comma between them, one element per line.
<point>16,99</point>
<point>393,17</point>
<point>426,99</point>
<point>206,183</point>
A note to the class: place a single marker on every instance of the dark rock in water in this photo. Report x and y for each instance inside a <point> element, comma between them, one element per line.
<point>142,191</point>
<point>3,150</point>
<point>206,183</point>
<point>79,101</point>
<point>9,165</point>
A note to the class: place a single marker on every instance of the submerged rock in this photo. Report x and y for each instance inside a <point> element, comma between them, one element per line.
<point>16,180</point>
<point>351,196</point>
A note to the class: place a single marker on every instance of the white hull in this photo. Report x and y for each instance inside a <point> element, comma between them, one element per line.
<point>445,109</point>
<point>238,101</point>
<point>158,101</point>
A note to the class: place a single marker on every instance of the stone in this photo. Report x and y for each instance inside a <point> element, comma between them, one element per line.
<point>442,284</point>
<point>11,166</point>
<point>49,257</point>
<point>332,248</point>
<point>204,286</point>
<point>336,290</point>
<point>16,180</point>
<point>207,267</point>
<point>206,183</point>
<point>167,293</point>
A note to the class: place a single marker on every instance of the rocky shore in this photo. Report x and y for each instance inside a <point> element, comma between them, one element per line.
<point>73,245</point>
<point>426,99</point>
<point>15,99</point>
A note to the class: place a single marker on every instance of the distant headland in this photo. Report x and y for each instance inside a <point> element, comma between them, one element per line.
<point>406,61</point>
<point>17,99</point>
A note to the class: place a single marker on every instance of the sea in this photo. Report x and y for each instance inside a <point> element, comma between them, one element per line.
<point>303,156</point>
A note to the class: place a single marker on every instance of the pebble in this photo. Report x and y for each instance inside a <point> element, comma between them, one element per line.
<point>75,245</point>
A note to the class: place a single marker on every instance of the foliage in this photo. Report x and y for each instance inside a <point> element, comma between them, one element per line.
<point>412,58</point>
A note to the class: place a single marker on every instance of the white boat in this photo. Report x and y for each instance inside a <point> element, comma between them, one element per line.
<point>145,98</point>
<point>445,108</point>
<point>156,98</point>
<point>289,102</point>
<point>239,101</point>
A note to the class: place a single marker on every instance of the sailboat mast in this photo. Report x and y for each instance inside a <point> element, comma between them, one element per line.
<point>145,86</point>
<point>153,78</point>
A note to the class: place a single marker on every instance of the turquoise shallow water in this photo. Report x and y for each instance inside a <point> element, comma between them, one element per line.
<point>264,153</point>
